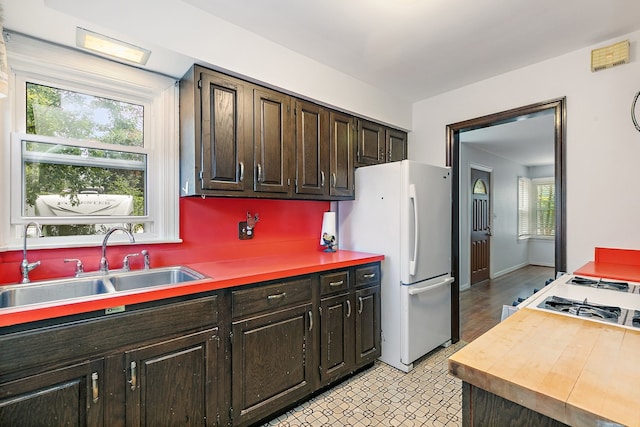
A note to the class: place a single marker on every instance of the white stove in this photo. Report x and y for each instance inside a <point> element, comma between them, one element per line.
<point>597,299</point>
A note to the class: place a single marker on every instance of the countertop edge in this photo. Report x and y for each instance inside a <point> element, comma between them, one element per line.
<point>220,275</point>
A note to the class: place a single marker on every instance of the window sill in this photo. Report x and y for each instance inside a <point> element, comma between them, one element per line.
<point>34,244</point>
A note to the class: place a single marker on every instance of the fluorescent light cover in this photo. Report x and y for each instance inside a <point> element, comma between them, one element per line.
<point>111,47</point>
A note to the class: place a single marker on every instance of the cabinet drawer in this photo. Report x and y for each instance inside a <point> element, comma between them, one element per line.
<point>268,297</point>
<point>368,275</point>
<point>334,282</point>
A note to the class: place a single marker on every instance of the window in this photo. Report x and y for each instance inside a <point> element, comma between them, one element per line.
<point>536,207</point>
<point>93,144</point>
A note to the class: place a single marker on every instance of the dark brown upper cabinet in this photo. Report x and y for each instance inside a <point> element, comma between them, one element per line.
<point>371,143</point>
<point>396,145</point>
<point>379,144</point>
<point>272,141</point>
<point>341,156</point>
<point>312,149</point>
<point>213,133</point>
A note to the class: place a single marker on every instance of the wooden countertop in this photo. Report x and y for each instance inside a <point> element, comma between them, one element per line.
<point>573,370</point>
<point>221,274</point>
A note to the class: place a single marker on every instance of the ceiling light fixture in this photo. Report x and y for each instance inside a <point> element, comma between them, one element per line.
<point>108,46</point>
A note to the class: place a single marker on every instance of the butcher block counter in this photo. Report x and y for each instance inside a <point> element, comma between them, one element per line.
<point>575,371</point>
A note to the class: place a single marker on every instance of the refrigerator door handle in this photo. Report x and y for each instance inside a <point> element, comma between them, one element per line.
<point>428,288</point>
<point>412,196</point>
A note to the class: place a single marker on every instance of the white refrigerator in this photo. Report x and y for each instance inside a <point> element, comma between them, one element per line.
<point>403,210</point>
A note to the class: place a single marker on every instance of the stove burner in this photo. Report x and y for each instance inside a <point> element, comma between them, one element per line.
<point>583,309</point>
<point>602,284</point>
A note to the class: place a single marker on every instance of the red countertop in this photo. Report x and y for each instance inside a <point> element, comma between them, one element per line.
<point>221,274</point>
<point>611,263</point>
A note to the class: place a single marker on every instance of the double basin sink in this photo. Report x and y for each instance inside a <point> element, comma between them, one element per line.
<point>93,285</point>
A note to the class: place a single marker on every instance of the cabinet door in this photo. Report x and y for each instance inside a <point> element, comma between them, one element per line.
<point>371,143</point>
<point>367,324</point>
<point>396,143</point>
<point>336,337</point>
<point>269,362</point>
<point>70,396</point>
<point>312,148</point>
<point>341,155</point>
<point>223,132</point>
<point>174,382</point>
<point>272,139</point>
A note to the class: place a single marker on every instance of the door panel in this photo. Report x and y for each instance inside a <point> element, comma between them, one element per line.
<point>480,225</point>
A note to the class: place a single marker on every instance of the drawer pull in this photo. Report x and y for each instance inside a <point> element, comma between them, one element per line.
<point>241,171</point>
<point>369,276</point>
<point>361,305</point>
<point>348,308</point>
<point>277,296</point>
<point>340,283</point>
<point>322,179</point>
<point>94,387</point>
<point>134,376</point>
<point>310,320</point>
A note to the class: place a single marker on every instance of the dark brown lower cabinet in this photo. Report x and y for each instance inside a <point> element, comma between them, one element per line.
<point>69,396</point>
<point>269,363</point>
<point>171,383</point>
<point>482,408</point>
<point>367,324</point>
<point>336,332</point>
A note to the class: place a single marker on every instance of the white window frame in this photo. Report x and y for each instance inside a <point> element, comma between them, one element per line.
<point>40,62</point>
<point>527,216</point>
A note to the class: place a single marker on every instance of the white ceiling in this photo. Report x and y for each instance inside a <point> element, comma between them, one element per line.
<point>528,142</point>
<point>412,48</point>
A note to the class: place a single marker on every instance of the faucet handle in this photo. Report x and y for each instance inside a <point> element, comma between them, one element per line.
<point>79,266</point>
<point>125,262</point>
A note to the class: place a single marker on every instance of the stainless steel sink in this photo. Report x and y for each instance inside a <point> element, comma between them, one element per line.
<point>53,290</point>
<point>155,277</point>
<point>93,285</point>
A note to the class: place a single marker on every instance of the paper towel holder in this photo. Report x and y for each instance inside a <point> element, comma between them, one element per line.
<point>328,232</point>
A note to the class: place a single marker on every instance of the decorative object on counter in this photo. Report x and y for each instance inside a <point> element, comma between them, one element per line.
<point>245,228</point>
<point>328,232</point>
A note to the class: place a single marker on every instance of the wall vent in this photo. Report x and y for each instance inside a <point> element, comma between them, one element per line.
<point>610,56</point>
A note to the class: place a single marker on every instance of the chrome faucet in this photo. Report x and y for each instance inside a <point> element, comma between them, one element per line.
<point>104,263</point>
<point>26,266</point>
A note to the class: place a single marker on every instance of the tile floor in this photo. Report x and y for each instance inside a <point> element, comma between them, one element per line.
<point>385,396</point>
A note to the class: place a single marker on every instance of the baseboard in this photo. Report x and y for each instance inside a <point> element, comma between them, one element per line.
<point>509,270</point>
<point>465,286</point>
<point>543,264</point>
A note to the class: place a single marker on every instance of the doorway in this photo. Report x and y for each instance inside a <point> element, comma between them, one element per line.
<point>557,107</point>
<point>480,225</point>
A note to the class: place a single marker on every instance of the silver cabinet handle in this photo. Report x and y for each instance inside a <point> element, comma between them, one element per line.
<point>348,308</point>
<point>310,320</point>
<point>241,171</point>
<point>333,179</point>
<point>369,276</point>
<point>134,376</point>
<point>322,179</point>
<point>259,172</point>
<point>340,283</point>
<point>94,387</point>
<point>360,305</point>
<point>277,296</point>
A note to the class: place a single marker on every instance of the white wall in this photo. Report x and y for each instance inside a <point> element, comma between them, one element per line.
<point>602,145</point>
<point>507,253</point>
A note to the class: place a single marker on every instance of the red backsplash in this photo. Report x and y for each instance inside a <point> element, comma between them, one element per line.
<point>209,230</point>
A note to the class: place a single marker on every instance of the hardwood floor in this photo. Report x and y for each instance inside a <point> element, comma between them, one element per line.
<point>481,305</point>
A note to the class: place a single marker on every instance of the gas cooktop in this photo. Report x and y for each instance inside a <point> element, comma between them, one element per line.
<point>606,313</point>
<point>595,299</point>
